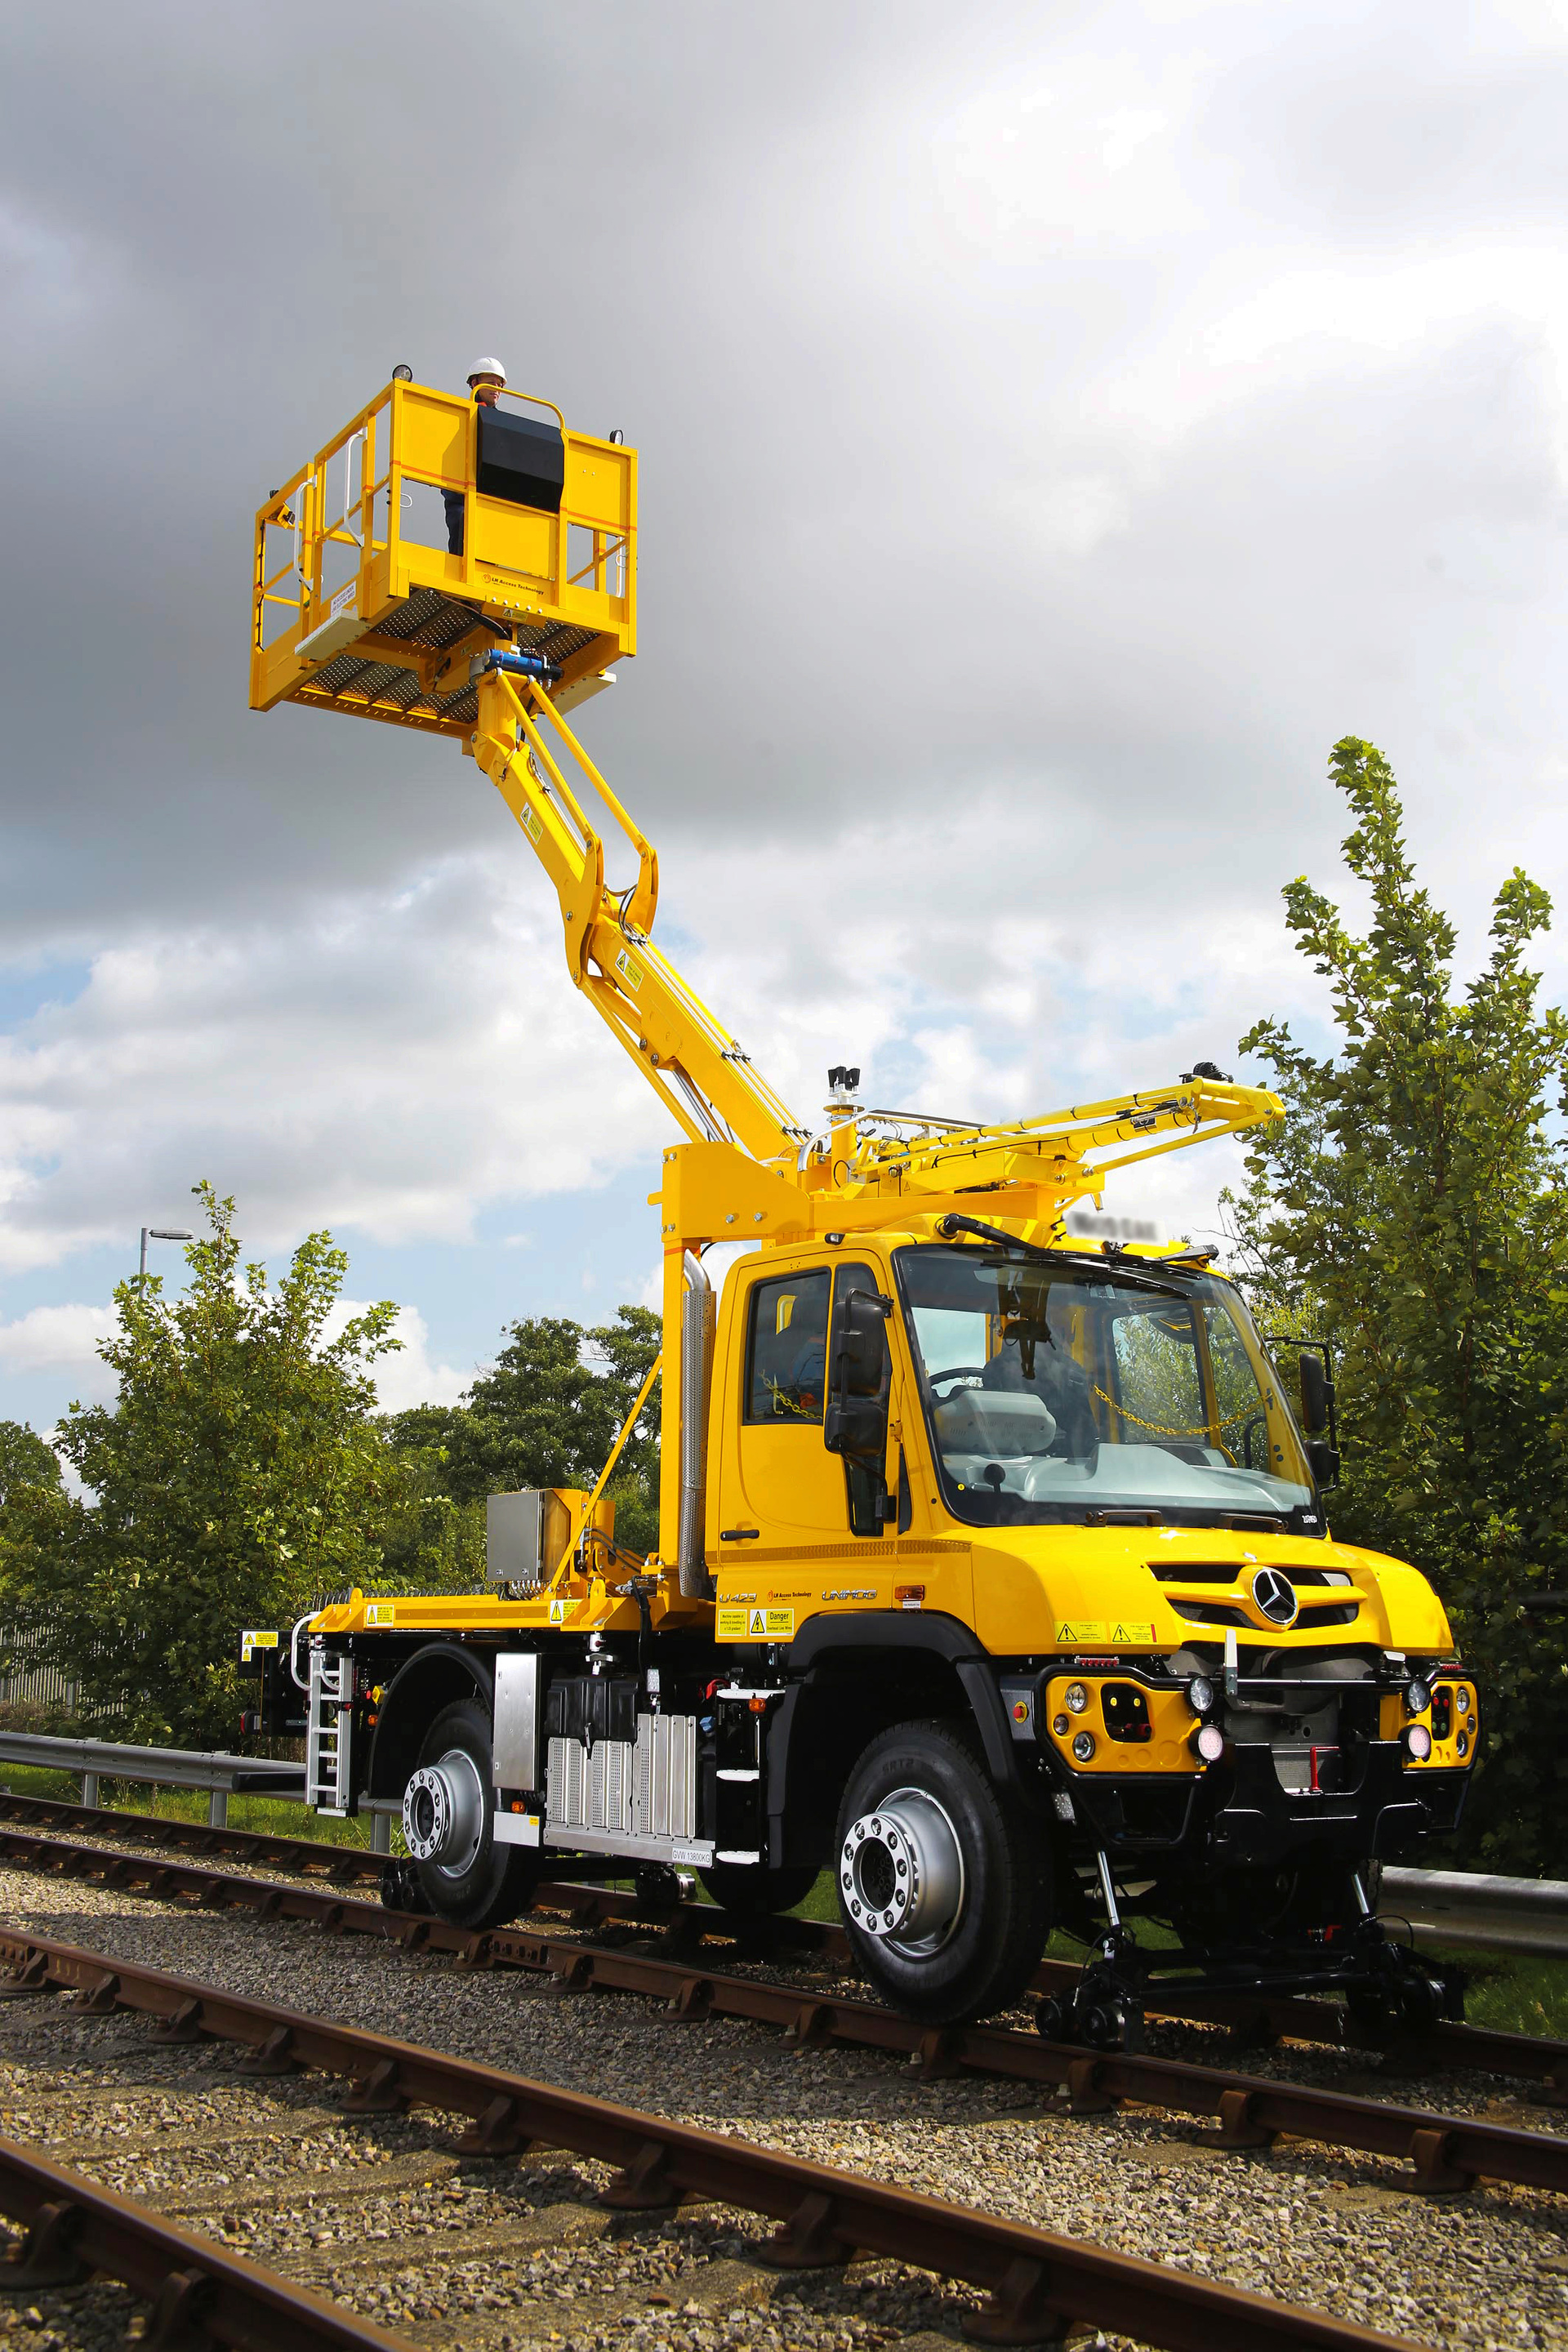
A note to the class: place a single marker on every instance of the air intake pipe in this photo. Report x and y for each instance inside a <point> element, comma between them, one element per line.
<point>697,1312</point>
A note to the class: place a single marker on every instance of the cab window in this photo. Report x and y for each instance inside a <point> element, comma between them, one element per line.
<point>786,1349</point>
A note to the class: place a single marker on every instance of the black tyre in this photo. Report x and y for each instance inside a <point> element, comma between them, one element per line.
<point>944,1883</point>
<point>448,1819</point>
<point>752,1893</point>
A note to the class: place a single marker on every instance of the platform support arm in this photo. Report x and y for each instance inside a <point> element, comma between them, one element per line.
<point>696,1067</point>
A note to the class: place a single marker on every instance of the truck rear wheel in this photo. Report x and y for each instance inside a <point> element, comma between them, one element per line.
<point>943,1881</point>
<point>448,1809</point>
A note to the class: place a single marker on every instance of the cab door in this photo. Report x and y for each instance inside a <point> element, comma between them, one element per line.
<point>780,1488</point>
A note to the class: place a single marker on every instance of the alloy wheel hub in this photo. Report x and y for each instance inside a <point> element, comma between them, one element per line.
<point>901,1873</point>
<point>444,1813</point>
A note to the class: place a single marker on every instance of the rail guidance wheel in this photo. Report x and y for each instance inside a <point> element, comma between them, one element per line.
<point>448,1813</point>
<point>943,1881</point>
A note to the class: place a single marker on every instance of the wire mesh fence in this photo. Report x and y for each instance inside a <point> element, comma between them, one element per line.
<point>31,1682</point>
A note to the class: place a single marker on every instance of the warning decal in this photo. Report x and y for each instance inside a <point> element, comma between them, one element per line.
<point>1071,1636</point>
<point>630,970</point>
<point>1131,1631</point>
<point>250,1642</point>
<point>757,1624</point>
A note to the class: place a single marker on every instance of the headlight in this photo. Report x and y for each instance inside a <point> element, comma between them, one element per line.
<point>1462,1699</point>
<point>1418,1698</point>
<point>1077,1697</point>
<point>1463,1743</point>
<point>1200,1694</point>
<point>1083,1745</point>
<point>1211,1743</point>
<point>1419,1742</point>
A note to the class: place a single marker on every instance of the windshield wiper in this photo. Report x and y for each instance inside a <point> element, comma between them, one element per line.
<point>1112,1264</point>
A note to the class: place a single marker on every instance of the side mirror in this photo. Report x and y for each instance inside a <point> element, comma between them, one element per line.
<point>1314,1393</point>
<point>859,1384</point>
<point>1318,1419</point>
<point>1324,1459</point>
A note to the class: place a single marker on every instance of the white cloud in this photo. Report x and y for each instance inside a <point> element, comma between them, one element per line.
<point>1072,422</point>
<point>406,1376</point>
<point>55,1338</point>
<point>54,1349</point>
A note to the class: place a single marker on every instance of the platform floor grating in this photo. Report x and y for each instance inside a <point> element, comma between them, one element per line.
<point>432,621</point>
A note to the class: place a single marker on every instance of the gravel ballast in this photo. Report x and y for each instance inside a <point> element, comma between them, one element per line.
<point>513,2252</point>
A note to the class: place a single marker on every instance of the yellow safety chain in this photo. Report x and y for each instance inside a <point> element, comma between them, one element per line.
<point>1156,1430</point>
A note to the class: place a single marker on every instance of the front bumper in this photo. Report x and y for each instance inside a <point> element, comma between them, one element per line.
<point>1236,1815</point>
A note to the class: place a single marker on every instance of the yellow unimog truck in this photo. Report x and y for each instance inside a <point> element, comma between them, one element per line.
<point>993,1573</point>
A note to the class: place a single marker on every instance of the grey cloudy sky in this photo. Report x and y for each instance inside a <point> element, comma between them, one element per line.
<point>1058,424</point>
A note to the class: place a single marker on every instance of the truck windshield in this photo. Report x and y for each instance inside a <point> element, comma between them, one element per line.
<point>1056,1392</point>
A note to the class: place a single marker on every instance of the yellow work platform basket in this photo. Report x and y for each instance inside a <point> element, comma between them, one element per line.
<point>360,606</point>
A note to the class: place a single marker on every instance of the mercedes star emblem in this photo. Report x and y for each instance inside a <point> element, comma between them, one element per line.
<point>1275,1596</point>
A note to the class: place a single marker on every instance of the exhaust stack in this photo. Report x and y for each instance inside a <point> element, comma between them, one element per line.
<point>697,1313</point>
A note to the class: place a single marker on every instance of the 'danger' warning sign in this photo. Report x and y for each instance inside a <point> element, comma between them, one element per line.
<point>757,1624</point>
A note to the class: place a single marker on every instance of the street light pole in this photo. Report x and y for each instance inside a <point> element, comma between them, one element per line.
<point>157,1234</point>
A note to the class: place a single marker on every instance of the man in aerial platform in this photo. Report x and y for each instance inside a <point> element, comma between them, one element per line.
<point>488,379</point>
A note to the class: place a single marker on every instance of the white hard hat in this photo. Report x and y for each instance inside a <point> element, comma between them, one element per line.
<point>487,367</point>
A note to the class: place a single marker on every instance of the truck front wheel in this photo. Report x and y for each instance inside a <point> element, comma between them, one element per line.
<point>448,1811</point>
<point>943,1879</point>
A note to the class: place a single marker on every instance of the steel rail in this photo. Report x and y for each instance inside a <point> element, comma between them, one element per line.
<point>1258,2018</point>
<point>1447,2152</point>
<point>1039,2283</point>
<point>350,1865</point>
<point>199,2290</point>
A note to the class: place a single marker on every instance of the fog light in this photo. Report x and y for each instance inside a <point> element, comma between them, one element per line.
<point>1083,1745</point>
<point>1463,1743</point>
<point>1418,1741</point>
<point>1200,1694</point>
<point>1462,1699</point>
<point>1211,1743</point>
<point>1077,1697</point>
<point>1061,1724</point>
<point>1418,1698</point>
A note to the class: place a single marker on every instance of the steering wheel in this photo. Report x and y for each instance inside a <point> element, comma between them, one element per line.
<point>958,1373</point>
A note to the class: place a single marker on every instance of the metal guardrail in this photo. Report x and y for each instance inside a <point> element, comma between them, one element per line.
<point>1462,1907</point>
<point>221,1775</point>
<point>1470,1907</point>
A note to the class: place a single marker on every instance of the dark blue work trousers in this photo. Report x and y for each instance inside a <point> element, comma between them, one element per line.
<point>453,502</point>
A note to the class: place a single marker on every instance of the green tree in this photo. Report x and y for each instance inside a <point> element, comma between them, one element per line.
<point>430,1541</point>
<point>546,1414</point>
<point>27,1462</point>
<point>238,1473</point>
<point>1411,1207</point>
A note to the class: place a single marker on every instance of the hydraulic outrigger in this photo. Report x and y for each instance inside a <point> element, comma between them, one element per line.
<point>950,1508</point>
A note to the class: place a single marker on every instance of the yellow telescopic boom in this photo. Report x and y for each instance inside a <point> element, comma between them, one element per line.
<point>432,567</point>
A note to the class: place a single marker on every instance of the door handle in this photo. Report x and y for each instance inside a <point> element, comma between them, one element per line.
<point>739,1535</point>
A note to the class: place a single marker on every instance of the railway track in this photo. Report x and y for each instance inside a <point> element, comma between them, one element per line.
<point>1037,2284</point>
<point>75,2227</point>
<point>1447,2043</point>
<point>345,1865</point>
<point>1444,2152</point>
